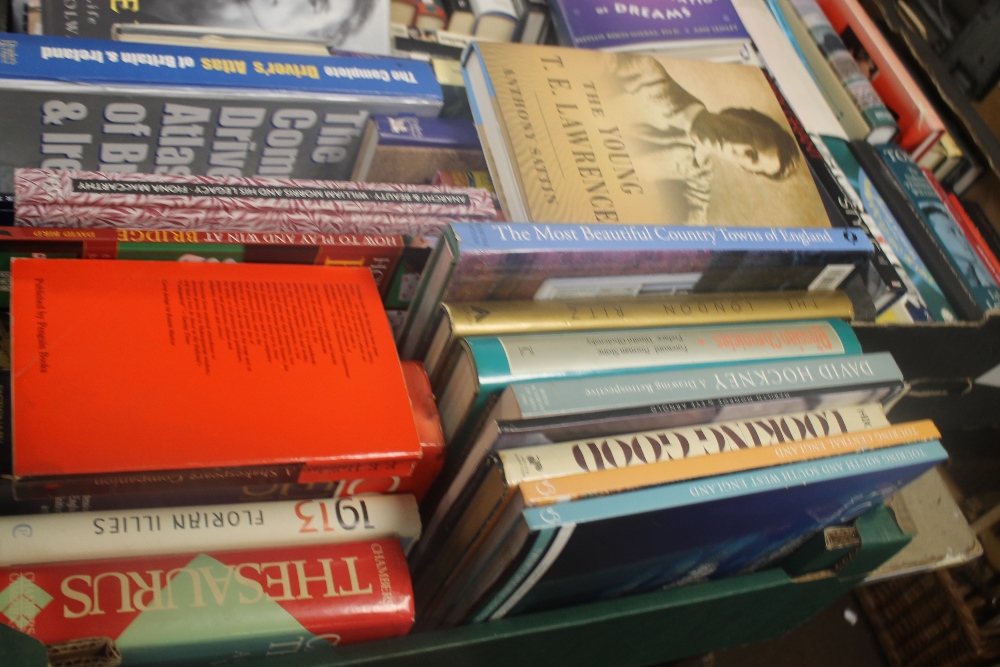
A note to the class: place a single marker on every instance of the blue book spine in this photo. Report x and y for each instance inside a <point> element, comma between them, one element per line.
<point>540,237</point>
<point>595,24</point>
<point>108,62</point>
<point>625,390</point>
<point>631,542</point>
<point>424,132</point>
<point>501,360</point>
<point>942,227</point>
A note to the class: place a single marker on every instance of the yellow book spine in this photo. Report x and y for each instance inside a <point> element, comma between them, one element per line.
<point>572,487</point>
<point>496,318</point>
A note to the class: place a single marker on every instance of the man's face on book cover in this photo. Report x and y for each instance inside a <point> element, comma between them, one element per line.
<point>293,17</point>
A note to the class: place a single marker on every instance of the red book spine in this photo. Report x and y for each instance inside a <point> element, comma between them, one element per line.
<point>216,606</point>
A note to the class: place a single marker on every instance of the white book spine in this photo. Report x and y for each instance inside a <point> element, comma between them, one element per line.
<point>529,464</point>
<point>791,76</point>
<point>47,538</point>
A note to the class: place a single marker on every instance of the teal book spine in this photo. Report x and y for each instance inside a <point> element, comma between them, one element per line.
<point>941,228</point>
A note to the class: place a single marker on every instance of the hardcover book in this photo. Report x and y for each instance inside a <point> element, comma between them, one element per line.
<point>920,127</point>
<point>622,138</point>
<point>960,273</point>
<point>538,476</point>
<point>202,608</point>
<point>426,470</point>
<point>226,373</point>
<point>345,26</point>
<point>232,202</point>
<point>482,366</point>
<point>160,531</point>
<point>379,252</point>
<point>548,411</point>
<point>876,114</point>
<point>74,103</point>
<point>924,301</point>
<point>690,30</point>
<point>675,534</point>
<point>508,261</point>
<point>460,319</point>
<point>411,149</point>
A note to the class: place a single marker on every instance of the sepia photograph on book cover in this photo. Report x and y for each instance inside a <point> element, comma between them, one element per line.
<point>611,137</point>
<point>346,25</point>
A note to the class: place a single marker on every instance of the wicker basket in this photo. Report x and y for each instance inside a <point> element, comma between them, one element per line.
<point>926,621</point>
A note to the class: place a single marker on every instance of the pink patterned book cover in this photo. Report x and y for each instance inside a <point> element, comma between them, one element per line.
<point>259,220</point>
<point>114,189</point>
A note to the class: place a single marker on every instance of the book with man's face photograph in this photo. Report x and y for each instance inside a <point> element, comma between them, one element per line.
<point>584,136</point>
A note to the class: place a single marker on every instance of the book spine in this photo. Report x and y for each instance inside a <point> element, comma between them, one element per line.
<point>533,463</point>
<point>426,132</point>
<point>110,190</point>
<point>938,223</point>
<point>919,123</point>
<point>219,604</point>
<point>560,488</point>
<point>963,304</point>
<point>110,63</point>
<point>924,300</point>
<point>784,63</point>
<point>509,317</point>
<point>886,470</point>
<point>883,281</point>
<point>216,220</point>
<point>379,252</point>
<point>161,531</point>
<point>501,359</point>
<point>561,398</point>
<point>854,81</point>
<point>503,237</point>
<point>968,228</point>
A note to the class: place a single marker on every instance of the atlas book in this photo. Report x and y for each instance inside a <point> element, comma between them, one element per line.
<point>956,267</point>
<point>358,26</point>
<point>426,470</point>
<point>616,138</point>
<point>675,534</point>
<point>533,477</point>
<point>101,105</point>
<point>379,252</point>
<point>542,412</point>
<point>920,126</point>
<point>215,607</point>
<point>411,149</point>
<point>698,31</point>
<point>509,261</point>
<point>481,366</point>
<point>227,373</point>
<point>163,531</point>
<point>461,319</point>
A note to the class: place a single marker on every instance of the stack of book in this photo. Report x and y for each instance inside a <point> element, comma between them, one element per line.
<point>626,365</point>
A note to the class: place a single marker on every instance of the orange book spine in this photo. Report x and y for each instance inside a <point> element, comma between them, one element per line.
<point>615,480</point>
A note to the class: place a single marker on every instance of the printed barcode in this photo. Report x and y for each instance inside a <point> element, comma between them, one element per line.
<point>831,277</point>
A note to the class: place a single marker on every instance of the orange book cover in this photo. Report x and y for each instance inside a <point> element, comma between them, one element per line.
<point>147,374</point>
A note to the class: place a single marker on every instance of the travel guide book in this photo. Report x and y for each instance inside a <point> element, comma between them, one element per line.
<point>507,261</point>
<point>583,136</point>
<point>75,103</point>
<point>153,375</point>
